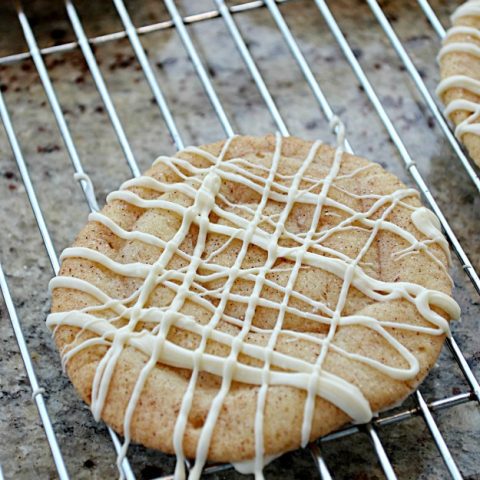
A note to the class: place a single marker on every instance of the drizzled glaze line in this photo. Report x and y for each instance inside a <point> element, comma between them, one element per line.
<point>232,276</point>
<point>471,8</point>
<point>202,186</point>
<point>470,124</point>
<point>272,341</point>
<point>86,181</point>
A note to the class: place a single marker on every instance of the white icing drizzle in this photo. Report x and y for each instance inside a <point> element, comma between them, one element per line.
<point>202,187</point>
<point>459,47</point>
<point>462,30</point>
<point>89,190</point>
<point>468,9</point>
<point>427,222</point>
<point>470,124</point>
<point>249,466</point>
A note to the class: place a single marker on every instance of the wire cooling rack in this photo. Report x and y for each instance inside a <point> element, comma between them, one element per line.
<point>180,25</point>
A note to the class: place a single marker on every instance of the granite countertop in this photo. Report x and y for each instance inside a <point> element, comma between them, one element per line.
<point>24,452</point>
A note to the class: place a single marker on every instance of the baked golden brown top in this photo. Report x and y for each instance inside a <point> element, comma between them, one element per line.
<point>248,296</point>
<point>459,89</point>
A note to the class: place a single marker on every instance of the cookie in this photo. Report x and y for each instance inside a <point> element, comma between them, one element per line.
<point>459,89</point>
<point>246,297</point>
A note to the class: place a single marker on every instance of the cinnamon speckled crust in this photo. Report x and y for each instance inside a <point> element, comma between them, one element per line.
<point>233,438</point>
<point>462,63</point>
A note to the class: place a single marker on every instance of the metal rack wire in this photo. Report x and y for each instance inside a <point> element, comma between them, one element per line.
<point>180,25</point>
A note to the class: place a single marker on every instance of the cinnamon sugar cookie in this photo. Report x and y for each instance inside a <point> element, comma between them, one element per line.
<point>459,89</point>
<point>246,297</point>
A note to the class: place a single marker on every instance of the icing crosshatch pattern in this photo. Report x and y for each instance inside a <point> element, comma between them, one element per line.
<point>137,321</point>
<point>419,413</point>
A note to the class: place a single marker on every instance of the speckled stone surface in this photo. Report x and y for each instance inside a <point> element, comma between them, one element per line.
<point>86,446</point>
